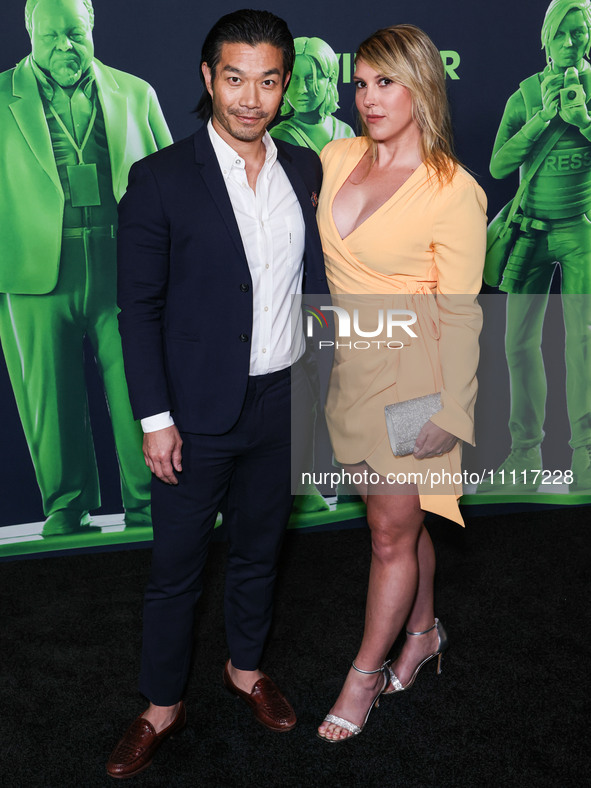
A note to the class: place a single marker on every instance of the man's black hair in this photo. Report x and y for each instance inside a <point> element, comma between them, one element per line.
<point>244,27</point>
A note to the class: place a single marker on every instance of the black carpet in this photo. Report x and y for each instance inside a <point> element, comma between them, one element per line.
<point>511,707</point>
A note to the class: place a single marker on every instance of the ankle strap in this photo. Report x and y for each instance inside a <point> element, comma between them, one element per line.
<point>369,672</point>
<point>424,632</point>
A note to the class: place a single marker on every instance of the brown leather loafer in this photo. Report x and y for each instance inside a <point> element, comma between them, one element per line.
<point>136,749</point>
<point>270,707</point>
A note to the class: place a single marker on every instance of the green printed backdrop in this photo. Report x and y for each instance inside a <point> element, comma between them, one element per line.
<point>487,52</point>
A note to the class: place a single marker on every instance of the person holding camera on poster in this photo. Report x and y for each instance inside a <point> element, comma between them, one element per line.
<point>545,133</point>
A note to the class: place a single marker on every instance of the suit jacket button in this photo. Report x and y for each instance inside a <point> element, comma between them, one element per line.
<point>243,337</point>
<point>245,288</point>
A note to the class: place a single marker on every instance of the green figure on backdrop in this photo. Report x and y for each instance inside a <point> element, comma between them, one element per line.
<point>546,128</point>
<point>70,129</point>
<point>311,98</point>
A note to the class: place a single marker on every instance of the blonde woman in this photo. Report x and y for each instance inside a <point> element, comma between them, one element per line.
<point>400,218</point>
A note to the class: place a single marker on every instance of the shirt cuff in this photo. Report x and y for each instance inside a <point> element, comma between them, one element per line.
<point>157,422</point>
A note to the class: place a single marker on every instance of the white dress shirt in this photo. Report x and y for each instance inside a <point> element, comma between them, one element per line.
<point>273,235</point>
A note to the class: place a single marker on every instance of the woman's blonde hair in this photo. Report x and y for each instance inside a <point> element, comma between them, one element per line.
<point>406,54</point>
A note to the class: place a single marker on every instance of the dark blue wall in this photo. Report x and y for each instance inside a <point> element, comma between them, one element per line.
<point>498,45</point>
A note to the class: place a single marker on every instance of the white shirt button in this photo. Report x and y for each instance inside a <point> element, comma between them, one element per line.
<point>264,350</point>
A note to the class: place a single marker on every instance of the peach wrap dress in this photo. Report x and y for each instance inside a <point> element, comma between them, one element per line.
<point>422,250</point>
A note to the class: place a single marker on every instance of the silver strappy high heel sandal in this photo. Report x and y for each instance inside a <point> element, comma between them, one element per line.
<point>394,685</point>
<point>353,729</point>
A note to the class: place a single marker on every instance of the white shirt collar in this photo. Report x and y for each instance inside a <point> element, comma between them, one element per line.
<point>227,156</point>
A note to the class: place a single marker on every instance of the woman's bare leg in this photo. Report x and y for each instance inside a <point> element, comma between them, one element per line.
<point>421,616</point>
<point>396,523</point>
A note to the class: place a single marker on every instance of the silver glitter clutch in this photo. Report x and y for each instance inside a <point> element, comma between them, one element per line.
<point>405,420</point>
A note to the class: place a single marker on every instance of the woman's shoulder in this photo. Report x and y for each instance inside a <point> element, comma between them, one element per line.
<point>462,178</point>
<point>463,185</point>
<point>337,150</point>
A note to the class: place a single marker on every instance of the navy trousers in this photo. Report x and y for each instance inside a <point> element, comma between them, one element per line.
<point>244,473</point>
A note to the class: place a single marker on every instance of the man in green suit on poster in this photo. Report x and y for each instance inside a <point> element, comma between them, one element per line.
<point>70,129</point>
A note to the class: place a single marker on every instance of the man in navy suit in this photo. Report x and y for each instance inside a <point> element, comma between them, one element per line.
<point>216,234</point>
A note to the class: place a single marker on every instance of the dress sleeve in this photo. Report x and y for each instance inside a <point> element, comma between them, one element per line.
<point>459,248</point>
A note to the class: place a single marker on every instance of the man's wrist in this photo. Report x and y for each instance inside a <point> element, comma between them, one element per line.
<point>160,421</point>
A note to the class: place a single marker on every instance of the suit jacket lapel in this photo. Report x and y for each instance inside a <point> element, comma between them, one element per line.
<point>299,187</point>
<point>28,113</point>
<point>210,172</point>
<point>114,105</point>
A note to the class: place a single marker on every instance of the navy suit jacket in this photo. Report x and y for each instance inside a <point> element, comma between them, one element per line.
<point>184,286</point>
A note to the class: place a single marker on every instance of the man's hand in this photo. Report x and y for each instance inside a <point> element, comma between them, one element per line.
<point>433,441</point>
<point>162,452</point>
